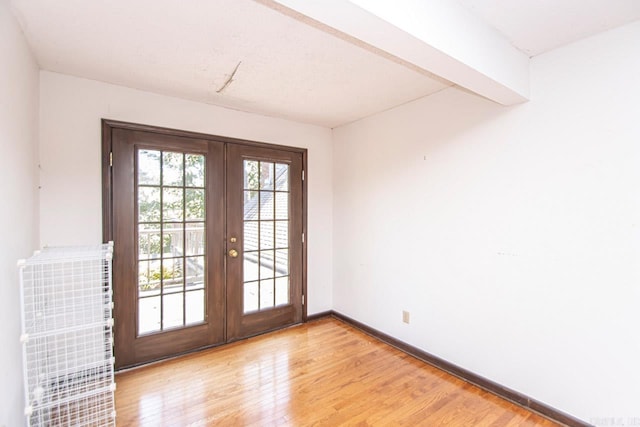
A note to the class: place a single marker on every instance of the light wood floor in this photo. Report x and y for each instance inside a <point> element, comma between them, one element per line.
<point>323,373</point>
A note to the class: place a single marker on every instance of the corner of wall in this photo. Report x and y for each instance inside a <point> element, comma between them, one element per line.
<point>18,214</point>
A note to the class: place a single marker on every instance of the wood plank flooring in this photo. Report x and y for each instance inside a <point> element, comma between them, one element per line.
<point>322,373</point>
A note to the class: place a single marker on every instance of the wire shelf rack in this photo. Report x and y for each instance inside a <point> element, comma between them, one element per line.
<point>67,336</point>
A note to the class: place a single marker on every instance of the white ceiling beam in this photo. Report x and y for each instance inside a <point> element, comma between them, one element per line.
<point>437,36</point>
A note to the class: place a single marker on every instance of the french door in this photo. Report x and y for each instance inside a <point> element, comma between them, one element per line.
<point>208,243</point>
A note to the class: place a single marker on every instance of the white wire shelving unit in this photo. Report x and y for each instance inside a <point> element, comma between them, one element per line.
<point>67,336</point>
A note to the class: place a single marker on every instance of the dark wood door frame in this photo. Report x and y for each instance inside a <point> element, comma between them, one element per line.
<point>109,126</point>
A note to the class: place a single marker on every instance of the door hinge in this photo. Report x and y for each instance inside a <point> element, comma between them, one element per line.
<point>302,299</point>
<point>302,237</point>
<point>110,158</point>
<point>303,174</point>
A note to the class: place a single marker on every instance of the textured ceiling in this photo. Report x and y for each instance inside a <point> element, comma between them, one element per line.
<point>244,55</point>
<point>190,49</point>
<point>537,26</point>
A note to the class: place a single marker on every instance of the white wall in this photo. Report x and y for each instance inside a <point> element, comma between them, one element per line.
<point>70,141</point>
<point>512,235</point>
<point>18,193</point>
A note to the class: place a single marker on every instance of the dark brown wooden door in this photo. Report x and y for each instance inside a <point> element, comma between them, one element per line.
<point>264,248</point>
<point>208,242</point>
<point>168,265</point>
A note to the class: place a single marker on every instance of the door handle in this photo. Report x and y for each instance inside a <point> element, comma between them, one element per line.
<point>233,253</point>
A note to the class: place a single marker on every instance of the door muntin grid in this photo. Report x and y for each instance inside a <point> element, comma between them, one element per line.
<point>266,225</point>
<point>170,227</point>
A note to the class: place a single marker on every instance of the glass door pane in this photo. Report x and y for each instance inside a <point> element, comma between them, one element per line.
<point>266,235</point>
<point>170,227</point>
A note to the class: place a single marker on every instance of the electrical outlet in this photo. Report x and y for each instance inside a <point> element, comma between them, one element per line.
<point>405,316</point>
